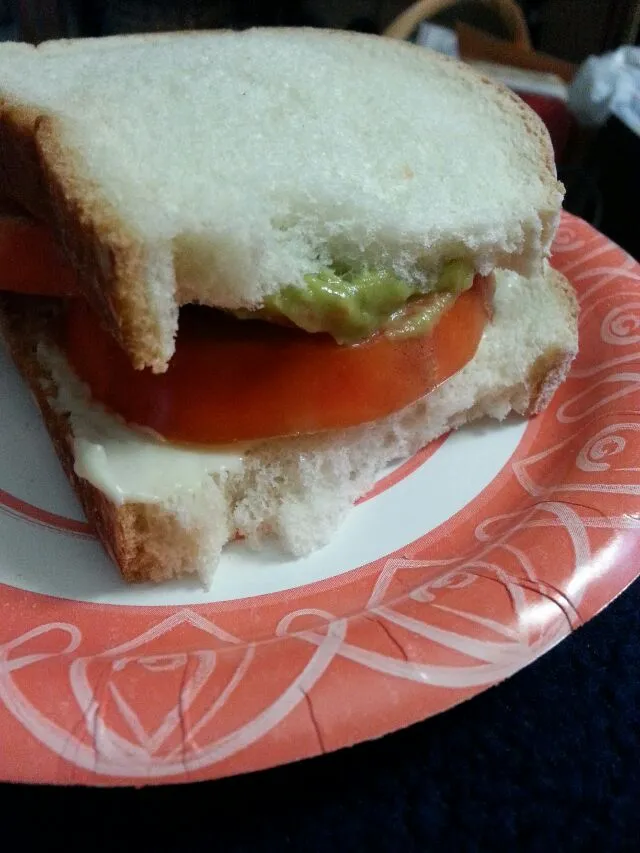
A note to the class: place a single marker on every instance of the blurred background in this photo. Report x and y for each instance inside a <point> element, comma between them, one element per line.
<point>570,29</point>
<point>549,51</point>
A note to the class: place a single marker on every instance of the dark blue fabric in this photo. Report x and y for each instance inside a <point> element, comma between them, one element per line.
<point>548,761</point>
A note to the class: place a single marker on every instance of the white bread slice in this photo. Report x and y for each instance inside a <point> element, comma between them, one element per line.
<point>299,490</point>
<point>216,167</point>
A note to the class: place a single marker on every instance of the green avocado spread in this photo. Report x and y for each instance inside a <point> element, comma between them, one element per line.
<point>351,306</point>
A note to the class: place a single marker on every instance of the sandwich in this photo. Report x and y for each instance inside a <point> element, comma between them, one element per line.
<point>250,270</point>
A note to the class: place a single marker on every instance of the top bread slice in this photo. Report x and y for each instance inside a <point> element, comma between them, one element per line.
<point>216,167</point>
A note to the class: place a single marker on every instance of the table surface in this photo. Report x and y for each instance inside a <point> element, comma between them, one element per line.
<point>549,760</point>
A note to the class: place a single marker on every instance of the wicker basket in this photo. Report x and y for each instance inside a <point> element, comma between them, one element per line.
<point>507,11</point>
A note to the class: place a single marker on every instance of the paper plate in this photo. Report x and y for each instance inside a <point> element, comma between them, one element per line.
<point>460,568</point>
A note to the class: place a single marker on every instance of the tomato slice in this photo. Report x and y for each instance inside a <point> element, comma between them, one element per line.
<point>31,261</point>
<point>231,380</point>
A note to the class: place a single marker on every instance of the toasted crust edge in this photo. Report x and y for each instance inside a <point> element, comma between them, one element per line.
<point>128,531</point>
<point>550,370</point>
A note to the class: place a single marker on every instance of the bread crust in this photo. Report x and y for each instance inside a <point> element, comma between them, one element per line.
<point>129,532</point>
<point>551,368</point>
<point>112,261</point>
<point>41,171</point>
<point>20,173</point>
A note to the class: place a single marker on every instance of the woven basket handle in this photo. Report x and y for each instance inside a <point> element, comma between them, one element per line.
<point>509,12</point>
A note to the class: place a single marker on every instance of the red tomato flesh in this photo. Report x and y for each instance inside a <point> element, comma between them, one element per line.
<point>231,380</point>
<point>31,261</point>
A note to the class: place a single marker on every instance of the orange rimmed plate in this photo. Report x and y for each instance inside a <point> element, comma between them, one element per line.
<point>459,569</point>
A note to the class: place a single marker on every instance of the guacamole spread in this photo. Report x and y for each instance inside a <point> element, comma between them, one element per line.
<point>351,306</point>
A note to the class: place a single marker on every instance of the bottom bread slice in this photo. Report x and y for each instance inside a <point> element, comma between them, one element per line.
<point>296,490</point>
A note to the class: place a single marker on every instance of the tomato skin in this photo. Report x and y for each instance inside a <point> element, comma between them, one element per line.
<point>232,380</point>
<point>31,261</point>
